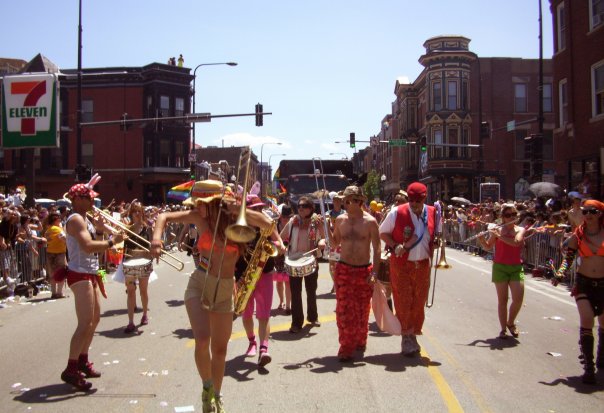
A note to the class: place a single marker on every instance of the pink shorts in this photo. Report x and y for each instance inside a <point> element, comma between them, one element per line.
<point>281,277</point>
<point>262,297</point>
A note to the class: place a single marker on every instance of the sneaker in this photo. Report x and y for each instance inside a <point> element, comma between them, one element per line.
<point>219,404</point>
<point>208,400</point>
<point>407,346</point>
<point>89,371</point>
<point>264,357</point>
<point>315,323</point>
<point>130,328</point>
<point>416,347</point>
<point>144,320</point>
<point>76,380</point>
<point>294,329</point>
<point>251,350</point>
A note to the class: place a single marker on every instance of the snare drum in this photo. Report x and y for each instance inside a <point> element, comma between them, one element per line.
<point>138,267</point>
<point>300,267</point>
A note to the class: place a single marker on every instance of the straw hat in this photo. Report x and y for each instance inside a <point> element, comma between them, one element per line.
<point>207,191</point>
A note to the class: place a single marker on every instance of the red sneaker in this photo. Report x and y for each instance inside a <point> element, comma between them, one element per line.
<point>76,380</point>
<point>89,370</point>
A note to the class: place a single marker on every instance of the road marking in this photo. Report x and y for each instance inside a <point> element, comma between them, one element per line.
<point>478,398</point>
<point>443,387</point>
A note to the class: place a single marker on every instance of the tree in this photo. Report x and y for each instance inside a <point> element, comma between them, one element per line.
<point>372,185</point>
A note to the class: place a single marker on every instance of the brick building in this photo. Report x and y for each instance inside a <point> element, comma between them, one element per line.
<point>139,161</point>
<point>578,65</point>
<point>446,104</point>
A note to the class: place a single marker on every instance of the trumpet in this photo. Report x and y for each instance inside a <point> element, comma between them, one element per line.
<point>171,260</point>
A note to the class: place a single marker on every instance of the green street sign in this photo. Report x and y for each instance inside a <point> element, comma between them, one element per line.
<point>397,142</point>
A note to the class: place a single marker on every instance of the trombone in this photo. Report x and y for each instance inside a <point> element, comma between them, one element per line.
<point>441,259</point>
<point>172,260</point>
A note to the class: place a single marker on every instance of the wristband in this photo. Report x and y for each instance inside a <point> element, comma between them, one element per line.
<point>110,242</point>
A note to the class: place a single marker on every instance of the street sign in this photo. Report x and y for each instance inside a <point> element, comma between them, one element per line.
<point>397,142</point>
<point>202,117</point>
<point>511,125</point>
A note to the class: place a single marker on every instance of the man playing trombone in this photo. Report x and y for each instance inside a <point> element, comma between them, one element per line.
<point>409,230</point>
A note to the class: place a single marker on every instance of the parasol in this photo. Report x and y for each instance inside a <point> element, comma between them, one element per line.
<point>545,189</point>
<point>461,200</point>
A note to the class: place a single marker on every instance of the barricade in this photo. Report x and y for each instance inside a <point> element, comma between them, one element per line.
<point>24,264</point>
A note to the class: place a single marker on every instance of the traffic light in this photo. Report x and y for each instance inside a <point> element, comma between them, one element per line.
<point>352,140</point>
<point>259,120</point>
<point>192,172</point>
<point>485,129</point>
<point>422,144</point>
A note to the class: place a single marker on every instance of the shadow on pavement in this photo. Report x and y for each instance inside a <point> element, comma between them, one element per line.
<point>396,362</point>
<point>183,333</point>
<point>327,364</point>
<point>111,313</point>
<point>495,343</point>
<point>287,336</point>
<point>241,367</point>
<point>119,333</point>
<point>576,383</point>
<point>327,296</point>
<point>52,393</point>
<point>175,303</point>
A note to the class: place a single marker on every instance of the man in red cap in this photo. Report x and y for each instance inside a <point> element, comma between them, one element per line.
<point>82,278</point>
<point>408,230</point>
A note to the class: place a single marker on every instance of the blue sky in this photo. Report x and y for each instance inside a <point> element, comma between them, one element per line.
<point>323,68</point>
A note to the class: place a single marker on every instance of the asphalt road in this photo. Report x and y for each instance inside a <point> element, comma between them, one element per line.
<point>463,366</point>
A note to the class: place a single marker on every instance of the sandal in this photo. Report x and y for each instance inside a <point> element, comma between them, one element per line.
<point>514,330</point>
<point>76,379</point>
<point>502,334</point>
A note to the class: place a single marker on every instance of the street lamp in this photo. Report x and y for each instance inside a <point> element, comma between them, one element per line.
<point>262,166</point>
<point>383,181</point>
<point>195,77</point>
<point>339,153</point>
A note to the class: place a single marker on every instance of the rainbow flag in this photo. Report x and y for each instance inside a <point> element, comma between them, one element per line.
<point>182,191</point>
<point>277,174</point>
<point>283,190</point>
<point>272,203</point>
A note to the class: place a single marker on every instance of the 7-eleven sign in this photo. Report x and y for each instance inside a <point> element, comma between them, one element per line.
<point>30,115</point>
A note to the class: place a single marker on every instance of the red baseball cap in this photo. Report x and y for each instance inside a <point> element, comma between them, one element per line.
<point>81,190</point>
<point>416,190</point>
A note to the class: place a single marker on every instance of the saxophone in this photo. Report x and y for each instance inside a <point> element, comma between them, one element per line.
<point>263,250</point>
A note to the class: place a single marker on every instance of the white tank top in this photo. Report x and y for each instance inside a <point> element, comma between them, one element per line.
<point>79,260</point>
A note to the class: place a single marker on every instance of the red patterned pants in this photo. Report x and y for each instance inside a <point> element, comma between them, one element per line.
<point>410,284</point>
<point>353,303</point>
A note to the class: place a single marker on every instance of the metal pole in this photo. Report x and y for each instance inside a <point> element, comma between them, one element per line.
<point>538,144</point>
<point>79,91</point>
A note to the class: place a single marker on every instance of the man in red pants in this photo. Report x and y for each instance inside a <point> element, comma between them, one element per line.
<point>409,230</point>
<point>355,232</point>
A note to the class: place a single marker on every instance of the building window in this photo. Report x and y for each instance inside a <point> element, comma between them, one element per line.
<point>561,28</point>
<point>437,151</point>
<point>520,97</point>
<point>148,153</point>
<point>437,96</point>
<point>563,102</point>
<point>87,110</point>
<point>150,106</point>
<point>596,13</point>
<point>464,95</point>
<point>548,145</point>
<point>179,107</point>
<point>164,152</point>
<point>452,95</point>
<point>547,98</point>
<point>452,138</point>
<point>597,81</point>
<point>520,152</point>
<point>88,154</point>
<point>164,106</point>
<point>179,148</point>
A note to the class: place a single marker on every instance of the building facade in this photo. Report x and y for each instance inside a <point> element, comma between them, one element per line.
<point>140,160</point>
<point>578,65</point>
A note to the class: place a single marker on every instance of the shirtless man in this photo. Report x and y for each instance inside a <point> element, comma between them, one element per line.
<point>356,232</point>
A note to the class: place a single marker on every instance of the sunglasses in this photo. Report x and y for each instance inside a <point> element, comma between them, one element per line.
<point>590,211</point>
<point>304,206</point>
<point>510,215</point>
